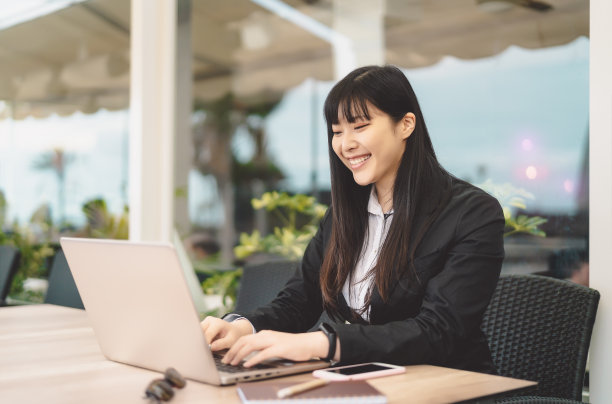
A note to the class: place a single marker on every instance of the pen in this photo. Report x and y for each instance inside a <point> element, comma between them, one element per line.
<point>298,388</point>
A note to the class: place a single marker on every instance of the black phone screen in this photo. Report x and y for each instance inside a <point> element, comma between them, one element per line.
<point>355,370</point>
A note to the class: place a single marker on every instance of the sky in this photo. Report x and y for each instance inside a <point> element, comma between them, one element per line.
<point>96,146</point>
<point>520,117</point>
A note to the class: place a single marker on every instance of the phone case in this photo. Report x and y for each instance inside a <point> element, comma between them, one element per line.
<point>393,370</point>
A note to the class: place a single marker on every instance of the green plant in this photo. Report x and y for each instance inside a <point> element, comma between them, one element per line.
<point>298,214</point>
<point>2,210</point>
<point>32,242</point>
<point>224,284</point>
<point>512,199</point>
<point>103,224</point>
<point>32,262</point>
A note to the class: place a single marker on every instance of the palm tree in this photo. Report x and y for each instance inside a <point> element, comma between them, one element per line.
<point>214,155</point>
<point>212,141</point>
<point>57,161</point>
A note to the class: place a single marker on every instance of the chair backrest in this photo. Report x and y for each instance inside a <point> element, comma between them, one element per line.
<point>62,289</point>
<point>261,283</point>
<point>9,262</point>
<point>539,328</point>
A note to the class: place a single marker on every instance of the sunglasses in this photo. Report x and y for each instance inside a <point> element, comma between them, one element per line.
<point>161,389</point>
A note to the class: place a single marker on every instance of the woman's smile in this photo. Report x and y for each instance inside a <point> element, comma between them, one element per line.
<point>357,162</point>
<point>372,146</point>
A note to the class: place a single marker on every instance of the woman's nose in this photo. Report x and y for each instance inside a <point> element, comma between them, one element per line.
<point>348,141</point>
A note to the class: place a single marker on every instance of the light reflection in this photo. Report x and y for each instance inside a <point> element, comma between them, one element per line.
<point>531,172</point>
<point>527,144</point>
<point>568,186</point>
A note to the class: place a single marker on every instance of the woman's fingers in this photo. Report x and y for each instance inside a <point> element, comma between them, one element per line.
<point>266,344</point>
<point>261,356</point>
<point>214,328</point>
<point>247,344</point>
<point>221,334</point>
<point>221,343</point>
<point>240,349</point>
<point>270,344</point>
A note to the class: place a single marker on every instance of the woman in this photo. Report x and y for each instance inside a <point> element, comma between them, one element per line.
<point>405,260</point>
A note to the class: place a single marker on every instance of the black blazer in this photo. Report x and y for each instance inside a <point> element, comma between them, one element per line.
<point>436,321</point>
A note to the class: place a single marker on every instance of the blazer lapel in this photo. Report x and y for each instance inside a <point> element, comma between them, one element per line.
<point>376,307</point>
<point>347,313</point>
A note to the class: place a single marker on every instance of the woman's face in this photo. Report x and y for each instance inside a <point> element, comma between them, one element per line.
<point>372,149</point>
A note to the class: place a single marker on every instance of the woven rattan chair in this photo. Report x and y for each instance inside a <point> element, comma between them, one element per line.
<point>539,328</point>
<point>9,261</point>
<point>62,289</point>
<point>261,283</point>
<point>536,400</point>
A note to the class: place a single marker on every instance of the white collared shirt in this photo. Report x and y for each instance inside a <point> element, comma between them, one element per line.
<point>356,286</point>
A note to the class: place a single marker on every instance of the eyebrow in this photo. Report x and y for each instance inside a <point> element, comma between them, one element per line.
<point>355,118</point>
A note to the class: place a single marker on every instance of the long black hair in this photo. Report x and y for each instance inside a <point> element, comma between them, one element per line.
<point>420,181</point>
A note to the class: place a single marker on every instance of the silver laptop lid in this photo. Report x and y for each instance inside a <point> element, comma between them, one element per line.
<point>139,305</point>
<point>142,313</point>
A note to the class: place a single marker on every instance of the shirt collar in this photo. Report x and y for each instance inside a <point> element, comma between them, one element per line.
<point>373,205</point>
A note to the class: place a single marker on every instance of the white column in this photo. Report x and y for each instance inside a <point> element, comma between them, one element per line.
<point>600,172</point>
<point>361,22</point>
<point>152,119</point>
<point>183,152</point>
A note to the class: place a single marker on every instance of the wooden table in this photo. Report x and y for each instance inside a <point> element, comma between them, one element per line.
<point>49,354</point>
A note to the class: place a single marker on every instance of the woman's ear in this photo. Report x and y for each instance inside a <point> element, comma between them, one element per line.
<point>407,125</point>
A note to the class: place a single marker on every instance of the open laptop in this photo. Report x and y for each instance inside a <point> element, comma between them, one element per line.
<point>142,313</point>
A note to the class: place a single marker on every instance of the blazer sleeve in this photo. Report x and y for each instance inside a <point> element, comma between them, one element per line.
<point>453,303</point>
<point>299,305</point>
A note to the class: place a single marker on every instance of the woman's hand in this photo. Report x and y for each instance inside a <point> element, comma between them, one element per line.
<point>271,344</point>
<point>221,334</point>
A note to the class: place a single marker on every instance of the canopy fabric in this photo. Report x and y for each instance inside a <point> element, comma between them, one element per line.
<point>77,59</point>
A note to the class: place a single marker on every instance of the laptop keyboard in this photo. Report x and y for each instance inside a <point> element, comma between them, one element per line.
<point>238,368</point>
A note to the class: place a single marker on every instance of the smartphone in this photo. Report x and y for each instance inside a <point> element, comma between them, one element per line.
<point>359,372</point>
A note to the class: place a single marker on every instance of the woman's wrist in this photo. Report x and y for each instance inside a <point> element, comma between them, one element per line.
<point>321,345</point>
<point>331,335</point>
<point>337,354</point>
<point>244,326</point>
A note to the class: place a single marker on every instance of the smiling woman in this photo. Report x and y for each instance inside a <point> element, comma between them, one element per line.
<point>407,254</point>
<point>371,146</point>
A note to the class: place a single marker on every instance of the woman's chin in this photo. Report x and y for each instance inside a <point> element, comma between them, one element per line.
<point>360,180</point>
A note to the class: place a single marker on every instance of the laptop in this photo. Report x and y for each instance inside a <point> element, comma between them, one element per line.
<point>142,313</point>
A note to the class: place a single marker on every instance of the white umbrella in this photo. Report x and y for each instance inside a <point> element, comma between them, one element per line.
<point>77,59</point>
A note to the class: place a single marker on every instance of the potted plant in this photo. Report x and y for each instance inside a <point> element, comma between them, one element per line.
<point>513,200</point>
<point>297,217</point>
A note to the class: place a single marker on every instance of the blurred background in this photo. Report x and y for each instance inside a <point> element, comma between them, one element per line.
<point>503,86</point>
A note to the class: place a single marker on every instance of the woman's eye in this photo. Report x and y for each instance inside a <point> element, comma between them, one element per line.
<point>361,126</point>
<point>336,133</point>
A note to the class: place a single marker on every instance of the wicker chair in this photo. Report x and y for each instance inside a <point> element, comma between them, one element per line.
<point>62,289</point>
<point>539,329</point>
<point>536,400</point>
<point>261,283</point>
<point>9,261</point>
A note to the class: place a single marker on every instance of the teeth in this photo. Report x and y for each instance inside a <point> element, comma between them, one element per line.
<point>359,160</point>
